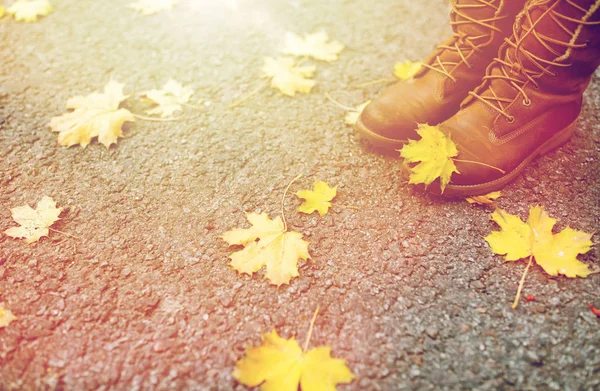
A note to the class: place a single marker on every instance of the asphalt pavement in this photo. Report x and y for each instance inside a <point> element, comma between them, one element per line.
<point>139,294</point>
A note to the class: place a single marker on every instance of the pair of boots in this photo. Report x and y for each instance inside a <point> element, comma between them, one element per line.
<point>507,87</point>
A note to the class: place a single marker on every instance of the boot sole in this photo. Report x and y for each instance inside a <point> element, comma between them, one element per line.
<point>377,140</point>
<point>471,190</point>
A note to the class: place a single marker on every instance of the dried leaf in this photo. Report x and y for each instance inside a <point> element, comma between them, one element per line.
<point>280,365</point>
<point>94,115</point>
<point>169,99</point>
<point>555,253</point>
<point>434,151</point>
<point>150,7</point>
<point>487,199</point>
<point>267,243</point>
<point>287,77</point>
<point>6,316</point>
<point>314,45</point>
<point>406,70</point>
<point>29,10</point>
<point>317,199</point>
<point>34,223</point>
<point>353,115</point>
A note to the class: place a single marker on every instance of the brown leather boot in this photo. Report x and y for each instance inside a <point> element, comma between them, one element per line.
<point>530,97</point>
<point>450,72</point>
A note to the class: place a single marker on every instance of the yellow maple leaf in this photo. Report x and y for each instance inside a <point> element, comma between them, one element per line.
<point>280,365</point>
<point>406,70</point>
<point>555,253</point>
<point>434,151</point>
<point>6,316</point>
<point>1,11</point>
<point>315,45</point>
<point>287,77</point>
<point>34,223</point>
<point>267,243</point>
<point>169,99</point>
<point>150,7</point>
<point>29,10</point>
<point>515,240</point>
<point>317,199</point>
<point>353,115</point>
<point>487,199</point>
<point>559,254</point>
<point>94,115</point>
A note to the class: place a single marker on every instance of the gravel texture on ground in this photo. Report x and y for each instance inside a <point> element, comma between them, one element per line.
<point>143,297</point>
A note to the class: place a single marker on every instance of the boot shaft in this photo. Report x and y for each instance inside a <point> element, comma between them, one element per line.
<point>563,36</point>
<point>555,47</point>
<point>479,27</point>
<point>472,18</point>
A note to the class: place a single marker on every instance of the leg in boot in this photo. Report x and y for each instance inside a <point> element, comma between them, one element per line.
<point>530,97</point>
<point>450,72</point>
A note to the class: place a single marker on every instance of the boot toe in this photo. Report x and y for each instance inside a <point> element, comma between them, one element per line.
<point>393,118</point>
<point>481,168</point>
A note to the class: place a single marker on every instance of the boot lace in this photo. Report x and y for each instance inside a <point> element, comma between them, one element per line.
<point>461,42</point>
<point>515,72</point>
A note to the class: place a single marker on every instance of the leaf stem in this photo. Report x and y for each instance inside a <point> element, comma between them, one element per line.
<point>310,329</point>
<point>248,96</point>
<point>344,206</point>
<point>192,106</point>
<point>63,233</point>
<point>378,81</point>
<point>61,242</point>
<point>335,102</point>
<point>516,302</point>
<point>152,119</point>
<point>283,201</point>
<point>481,164</point>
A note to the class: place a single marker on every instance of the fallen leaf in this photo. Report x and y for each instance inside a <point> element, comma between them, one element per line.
<point>34,223</point>
<point>317,199</point>
<point>487,199</point>
<point>1,11</point>
<point>169,99</point>
<point>595,310</point>
<point>558,253</point>
<point>406,70</point>
<point>287,77</point>
<point>315,45</point>
<point>434,151</point>
<point>514,240</point>
<point>267,243</point>
<point>555,253</point>
<point>353,115</point>
<point>280,365</point>
<point>6,316</point>
<point>94,115</point>
<point>29,10</point>
<point>150,7</point>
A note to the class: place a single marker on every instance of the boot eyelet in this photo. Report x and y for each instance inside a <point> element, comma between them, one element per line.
<point>510,120</point>
<point>526,102</point>
<point>536,87</point>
